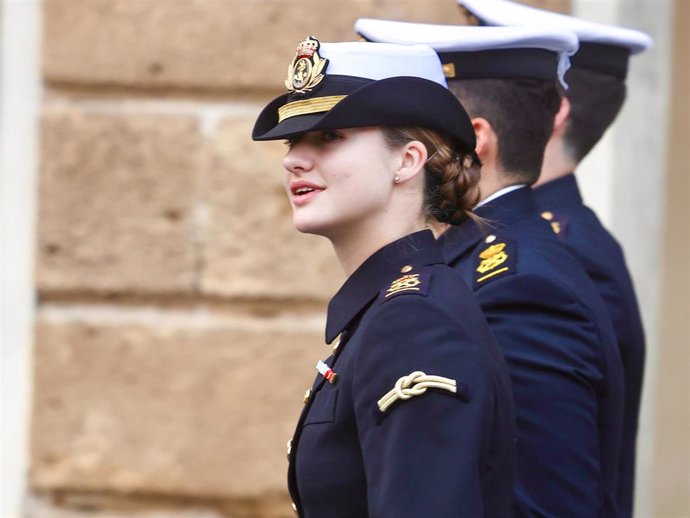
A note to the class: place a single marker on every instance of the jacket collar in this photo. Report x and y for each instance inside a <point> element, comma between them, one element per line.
<point>418,249</point>
<point>499,213</point>
<point>560,192</point>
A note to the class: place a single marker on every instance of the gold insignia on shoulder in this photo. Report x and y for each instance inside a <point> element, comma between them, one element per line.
<point>492,257</point>
<point>304,72</point>
<point>409,282</point>
<point>556,226</point>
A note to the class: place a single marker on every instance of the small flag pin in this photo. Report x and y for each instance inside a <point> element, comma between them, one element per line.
<point>326,371</point>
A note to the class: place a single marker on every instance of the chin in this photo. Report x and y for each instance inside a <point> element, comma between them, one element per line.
<point>309,226</point>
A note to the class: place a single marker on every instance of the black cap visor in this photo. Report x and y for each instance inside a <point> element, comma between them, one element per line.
<point>395,101</point>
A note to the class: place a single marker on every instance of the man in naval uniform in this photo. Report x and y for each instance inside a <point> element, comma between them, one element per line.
<point>596,92</point>
<point>547,317</point>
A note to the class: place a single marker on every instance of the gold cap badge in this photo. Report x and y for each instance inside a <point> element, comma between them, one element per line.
<point>305,70</point>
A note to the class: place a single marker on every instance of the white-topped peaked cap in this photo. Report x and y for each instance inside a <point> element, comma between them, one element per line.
<point>506,13</point>
<point>451,41</point>
<point>380,60</point>
<point>603,48</point>
<point>359,84</point>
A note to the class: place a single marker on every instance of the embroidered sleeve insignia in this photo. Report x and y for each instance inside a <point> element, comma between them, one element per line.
<point>495,261</point>
<point>305,70</point>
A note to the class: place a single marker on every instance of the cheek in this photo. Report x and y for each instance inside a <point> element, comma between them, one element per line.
<point>286,184</point>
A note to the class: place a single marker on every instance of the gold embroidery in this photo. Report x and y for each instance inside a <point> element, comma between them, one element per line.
<point>505,269</point>
<point>492,257</point>
<point>304,72</point>
<point>307,106</point>
<point>404,283</point>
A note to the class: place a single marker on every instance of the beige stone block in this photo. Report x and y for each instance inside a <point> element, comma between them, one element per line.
<point>71,504</point>
<point>559,6</point>
<point>187,405</point>
<point>250,245</point>
<point>116,203</point>
<point>202,44</point>
<point>95,506</point>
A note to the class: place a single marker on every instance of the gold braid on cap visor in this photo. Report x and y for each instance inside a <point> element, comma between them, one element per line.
<point>307,106</point>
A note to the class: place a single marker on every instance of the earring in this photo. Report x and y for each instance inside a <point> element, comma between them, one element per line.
<point>396,179</point>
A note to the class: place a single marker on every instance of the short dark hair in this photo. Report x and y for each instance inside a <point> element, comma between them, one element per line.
<point>595,100</point>
<point>521,112</point>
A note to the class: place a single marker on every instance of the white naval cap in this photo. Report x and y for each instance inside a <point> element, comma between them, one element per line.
<point>483,52</point>
<point>602,47</point>
<point>382,60</point>
<point>360,84</point>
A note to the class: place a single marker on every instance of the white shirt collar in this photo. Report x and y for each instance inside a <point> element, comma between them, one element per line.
<point>500,193</point>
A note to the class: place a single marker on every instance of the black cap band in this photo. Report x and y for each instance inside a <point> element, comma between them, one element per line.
<point>501,64</point>
<point>600,57</point>
<point>333,84</point>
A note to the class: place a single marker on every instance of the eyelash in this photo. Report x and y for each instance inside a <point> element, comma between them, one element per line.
<point>331,136</point>
<point>326,136</point>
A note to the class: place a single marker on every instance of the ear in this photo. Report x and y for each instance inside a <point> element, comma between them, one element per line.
<point>413,157</point>
<point>561,120</point>
<point>487,142</point>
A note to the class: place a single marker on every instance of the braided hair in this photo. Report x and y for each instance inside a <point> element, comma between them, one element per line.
<point>451,177</point>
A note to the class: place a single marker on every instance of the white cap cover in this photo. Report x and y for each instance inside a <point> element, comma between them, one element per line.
<point>354,85</point>
<point>507,13</point>
<point>380,60</point>
<point>446,39</point>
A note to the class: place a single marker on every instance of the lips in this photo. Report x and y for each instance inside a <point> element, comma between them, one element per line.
<point>302,191</point>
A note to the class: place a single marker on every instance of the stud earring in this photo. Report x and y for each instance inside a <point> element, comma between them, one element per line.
<point>396,179</point>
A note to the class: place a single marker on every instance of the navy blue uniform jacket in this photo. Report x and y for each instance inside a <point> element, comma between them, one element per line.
<point>602,257</point>
<point>557,338</point>
<point>438,454</point>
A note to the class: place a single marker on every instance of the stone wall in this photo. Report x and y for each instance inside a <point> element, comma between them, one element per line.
<point>180,314</point>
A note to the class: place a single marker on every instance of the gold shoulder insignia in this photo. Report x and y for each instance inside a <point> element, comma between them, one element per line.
<point>558,223</point>
<point>411,283</point>
<point>408,282</point>
<point>495,260</point>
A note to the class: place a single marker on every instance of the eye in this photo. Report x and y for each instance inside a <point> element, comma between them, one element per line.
<point>331,136</point>
<point>291,141</point>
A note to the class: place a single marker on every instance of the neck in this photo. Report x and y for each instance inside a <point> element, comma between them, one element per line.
<point>354,246</point>
<point>495,181</point>
<point>557,163</point>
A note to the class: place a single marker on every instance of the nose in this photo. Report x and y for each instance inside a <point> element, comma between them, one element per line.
<point>297,160</point>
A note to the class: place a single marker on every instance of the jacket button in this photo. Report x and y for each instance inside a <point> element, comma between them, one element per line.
<point>548,216</point>
<point>307,395</point>
<point>294,507</point>
<point>289,449</point>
